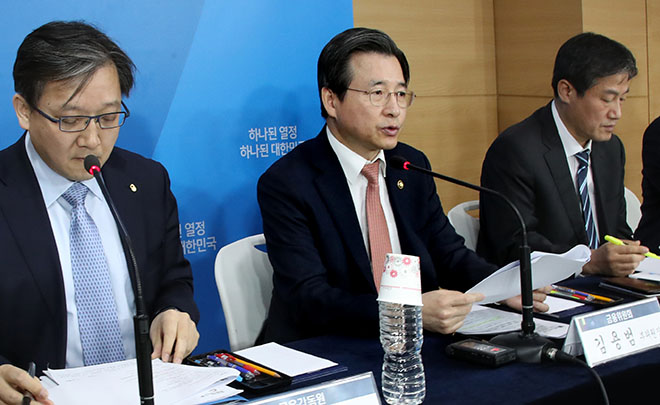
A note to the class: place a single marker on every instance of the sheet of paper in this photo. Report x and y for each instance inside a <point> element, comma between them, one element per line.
<point>560,304</point>
<point>116,383</point>
<point>648,269</point>
<point>289,361</point>
<point>490,321</point>
<point>649,265</point>
<point>547,268</point>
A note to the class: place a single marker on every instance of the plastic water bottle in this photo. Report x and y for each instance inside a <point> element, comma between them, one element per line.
<point>401,335</point>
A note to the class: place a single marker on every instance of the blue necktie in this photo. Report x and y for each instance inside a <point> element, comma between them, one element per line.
<point>95,302</point>
<point>583,189</point>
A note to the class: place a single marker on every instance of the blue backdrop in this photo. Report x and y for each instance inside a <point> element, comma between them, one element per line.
<point>223,89</point>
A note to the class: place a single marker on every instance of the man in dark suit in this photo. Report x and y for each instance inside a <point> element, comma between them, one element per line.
<point>648,231</point>
<point>318,228</point>
<point>563,167</point>
<point>69,80</point>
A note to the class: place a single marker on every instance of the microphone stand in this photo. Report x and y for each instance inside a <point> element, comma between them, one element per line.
<point>528,344</point>
<point>141,319</point>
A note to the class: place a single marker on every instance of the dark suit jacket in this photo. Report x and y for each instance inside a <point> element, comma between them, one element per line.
<point>527,163</point>
<point>648,231</point>
<point>32,305</point>
<point>322,274</point>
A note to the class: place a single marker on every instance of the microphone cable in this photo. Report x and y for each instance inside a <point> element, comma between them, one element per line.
<point>554,354</point>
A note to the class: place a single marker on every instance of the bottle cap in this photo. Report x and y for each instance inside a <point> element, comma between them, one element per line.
<point>401,282</point>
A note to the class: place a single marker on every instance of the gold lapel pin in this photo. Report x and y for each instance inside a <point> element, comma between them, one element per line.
<point>400,184</point>
<point>133,188</point>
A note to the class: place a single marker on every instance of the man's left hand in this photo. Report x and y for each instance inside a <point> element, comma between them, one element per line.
<point>174,335</point>
<point>538,296</point>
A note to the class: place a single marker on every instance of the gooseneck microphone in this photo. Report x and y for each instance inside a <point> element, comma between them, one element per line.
<point>529,345</point>
<point>141,319</point>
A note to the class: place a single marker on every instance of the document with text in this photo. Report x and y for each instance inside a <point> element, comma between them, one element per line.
<point>117,383</point>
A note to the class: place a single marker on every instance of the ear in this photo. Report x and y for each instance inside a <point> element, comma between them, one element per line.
<point>23,111</point>
<point>565,91</point>
<point>329,100</point>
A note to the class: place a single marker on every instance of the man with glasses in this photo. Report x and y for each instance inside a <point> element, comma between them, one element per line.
<point>333,207</point>
<point>66,297</point>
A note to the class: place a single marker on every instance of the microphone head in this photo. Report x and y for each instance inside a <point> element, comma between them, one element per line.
<point>399,162</point>
<point>92,164</point>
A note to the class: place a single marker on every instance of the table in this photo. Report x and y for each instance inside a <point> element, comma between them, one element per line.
<point>450,381</point>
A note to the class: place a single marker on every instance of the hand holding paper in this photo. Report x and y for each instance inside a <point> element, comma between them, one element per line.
<point>547,269</point>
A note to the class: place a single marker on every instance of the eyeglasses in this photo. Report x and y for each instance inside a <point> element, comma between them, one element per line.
<point>379,97</point>
<point>78,123</point>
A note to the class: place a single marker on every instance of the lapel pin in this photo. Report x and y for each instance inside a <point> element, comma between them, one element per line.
<point>133,188</point>
<point>400,184</point>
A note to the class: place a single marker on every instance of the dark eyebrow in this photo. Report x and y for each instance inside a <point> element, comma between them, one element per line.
<point>75,108</point>
<point>381,82</point>
<point>616,93</point>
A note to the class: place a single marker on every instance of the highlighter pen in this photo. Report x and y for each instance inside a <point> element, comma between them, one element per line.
<point>619,242</point>
<point>27,397</point>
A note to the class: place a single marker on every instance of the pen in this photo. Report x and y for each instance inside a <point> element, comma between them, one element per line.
<point>27,397</point>
<point>261,369</point>
<point>225,363</point>
<point>619,242</point>
<point>228,357</point>
<point>565,294</point>
<point>582,293</point>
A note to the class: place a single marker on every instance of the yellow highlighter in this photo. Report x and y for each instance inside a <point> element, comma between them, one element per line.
<point>619,242</point>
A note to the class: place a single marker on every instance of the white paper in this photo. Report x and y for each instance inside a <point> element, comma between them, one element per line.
<point>547,269</point>
<point>648,269</point>
<point>486,321</point>
<point>557,304</point>
<point>646,276</point>
<point>288,361</point>
<point>117,383</point>
<point>649,265</point>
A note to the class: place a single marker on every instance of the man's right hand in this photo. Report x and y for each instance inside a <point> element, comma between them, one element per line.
<point>615,260</point>
<point>14,382</point>
<point>444,310</point>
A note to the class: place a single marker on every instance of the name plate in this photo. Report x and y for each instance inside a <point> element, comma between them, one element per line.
<point>616,332</point>
<point>356,390</point>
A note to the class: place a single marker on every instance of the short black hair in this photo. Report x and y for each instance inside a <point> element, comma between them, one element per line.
<point>587,57</point>
<point>333,70</point>
<point>67,51</point>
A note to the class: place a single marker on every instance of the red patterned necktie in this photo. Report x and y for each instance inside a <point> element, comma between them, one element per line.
<point>379,236</point>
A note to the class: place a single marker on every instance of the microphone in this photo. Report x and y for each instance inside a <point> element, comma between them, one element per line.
<point>141,319</point>
<point>528,344</point>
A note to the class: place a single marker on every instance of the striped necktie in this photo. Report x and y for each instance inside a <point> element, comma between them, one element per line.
<point>583,190</point>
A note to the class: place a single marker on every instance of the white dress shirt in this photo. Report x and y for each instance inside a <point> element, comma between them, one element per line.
<point>52,186</point>
<point>571,147</point>
<point>352,164</point>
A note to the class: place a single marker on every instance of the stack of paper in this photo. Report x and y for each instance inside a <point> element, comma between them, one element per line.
<point>547,269</point>
<point>289,361</point>
<point>117,383</point>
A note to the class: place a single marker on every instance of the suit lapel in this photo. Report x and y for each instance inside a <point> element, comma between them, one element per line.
<point>118,181</point>
<point>334,191</point>
<point>555,158</point>
<point>396,181</point>
<point>25,212</point>
<point>601,173</point>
